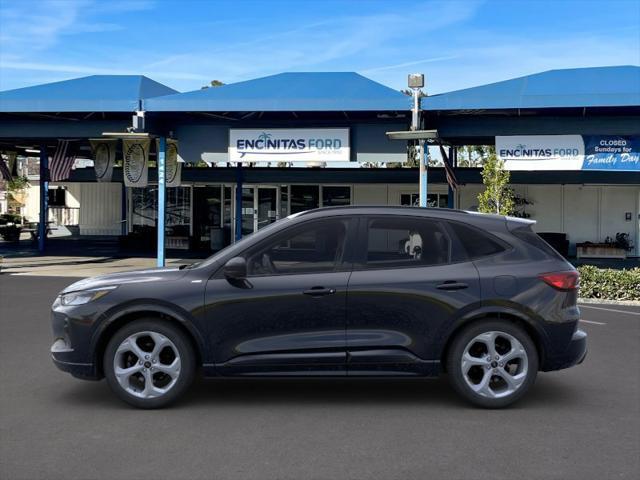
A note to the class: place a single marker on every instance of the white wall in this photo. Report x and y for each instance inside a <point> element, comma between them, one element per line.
<point>370,194</point>
<point>586,213</point>
<point>546,208</point>
<point>100,208</point>
<point>615,202</point>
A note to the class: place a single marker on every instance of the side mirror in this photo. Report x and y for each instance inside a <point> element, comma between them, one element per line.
<point>235,269</point>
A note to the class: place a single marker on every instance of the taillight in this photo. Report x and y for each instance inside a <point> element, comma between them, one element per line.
<point>562,280</point>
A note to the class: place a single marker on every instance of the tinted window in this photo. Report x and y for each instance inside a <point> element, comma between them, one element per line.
<point>475,242</point>
<point>312,248</point>
<point>532,238</point>
<point>406,241</point>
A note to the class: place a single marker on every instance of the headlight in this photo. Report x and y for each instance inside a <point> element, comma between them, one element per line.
<point>84,296</point>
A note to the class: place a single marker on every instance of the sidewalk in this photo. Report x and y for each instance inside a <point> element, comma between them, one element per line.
<point>61,266</point>
<point>80,257</point>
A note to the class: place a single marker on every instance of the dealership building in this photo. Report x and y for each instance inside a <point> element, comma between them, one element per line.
<point>251,152</point>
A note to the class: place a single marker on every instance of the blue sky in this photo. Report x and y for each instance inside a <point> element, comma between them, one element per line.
<point>185,44</point>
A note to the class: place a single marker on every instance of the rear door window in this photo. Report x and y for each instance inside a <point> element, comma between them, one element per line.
<point>405,242</point>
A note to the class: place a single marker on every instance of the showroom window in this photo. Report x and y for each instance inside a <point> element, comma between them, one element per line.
<point>144,207</point>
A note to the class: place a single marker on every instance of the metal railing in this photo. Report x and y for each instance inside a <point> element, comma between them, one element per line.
<point>64,215</point>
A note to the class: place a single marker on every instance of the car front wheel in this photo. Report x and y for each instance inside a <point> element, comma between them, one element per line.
<point>492,364</point>
<point>149,363</point>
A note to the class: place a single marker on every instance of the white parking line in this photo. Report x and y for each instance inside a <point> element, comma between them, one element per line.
<point>591,321</point>
<point>610,310</point>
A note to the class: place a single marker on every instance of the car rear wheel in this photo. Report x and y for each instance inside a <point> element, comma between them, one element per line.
<point>149,363</point>
<point>492,364</point>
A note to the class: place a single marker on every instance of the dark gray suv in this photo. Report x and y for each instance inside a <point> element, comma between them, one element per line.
<point>352,291</point>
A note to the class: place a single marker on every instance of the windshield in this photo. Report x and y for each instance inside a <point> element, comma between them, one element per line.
<point>239,246</point>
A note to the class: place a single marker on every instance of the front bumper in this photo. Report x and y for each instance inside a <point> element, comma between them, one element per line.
<point>574,354</point>
<point>64,358</point>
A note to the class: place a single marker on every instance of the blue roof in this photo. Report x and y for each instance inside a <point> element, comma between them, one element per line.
<point>577,87</point>
<point>286,92</point>
<point>96,93</point>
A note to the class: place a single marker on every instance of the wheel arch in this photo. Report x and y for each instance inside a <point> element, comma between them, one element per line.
<point>510,315</point>
<point>117,320</point>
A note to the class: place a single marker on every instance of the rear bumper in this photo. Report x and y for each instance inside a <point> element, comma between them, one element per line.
<point>574,354</point>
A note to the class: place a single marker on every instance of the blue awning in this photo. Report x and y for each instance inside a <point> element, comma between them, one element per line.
<point>570,88</point>
<point>96,93</point>
<point>288,92</point>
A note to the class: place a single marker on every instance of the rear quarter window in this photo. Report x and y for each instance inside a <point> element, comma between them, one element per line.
<point>532,238</point>
<point>475,242</point>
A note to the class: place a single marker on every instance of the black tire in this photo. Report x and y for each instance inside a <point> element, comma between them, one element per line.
<point>185,352</point>
<point>456,351</point>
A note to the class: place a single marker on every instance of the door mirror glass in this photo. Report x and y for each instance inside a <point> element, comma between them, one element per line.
<point>235,269</point>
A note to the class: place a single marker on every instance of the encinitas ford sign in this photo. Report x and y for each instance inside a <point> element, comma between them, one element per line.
<point>289,145</point>
<point>541,152</point>
<point>569,152</point>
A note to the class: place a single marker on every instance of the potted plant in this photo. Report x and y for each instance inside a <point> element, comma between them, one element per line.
<point>17,188</point>
<point>10,227</point>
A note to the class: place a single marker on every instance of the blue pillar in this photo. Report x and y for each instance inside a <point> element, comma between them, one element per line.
<point>238,201</point>
<point>162,149</point>
<point>44,198</point>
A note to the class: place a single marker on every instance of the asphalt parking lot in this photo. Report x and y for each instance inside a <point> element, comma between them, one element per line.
<point>581,423</point>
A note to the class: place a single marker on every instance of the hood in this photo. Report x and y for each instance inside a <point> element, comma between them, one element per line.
<point>135,276</point>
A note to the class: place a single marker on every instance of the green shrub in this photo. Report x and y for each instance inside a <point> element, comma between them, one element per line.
<point>609,284</point>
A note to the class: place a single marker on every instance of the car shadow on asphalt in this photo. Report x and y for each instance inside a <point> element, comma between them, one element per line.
<point>263,392</point>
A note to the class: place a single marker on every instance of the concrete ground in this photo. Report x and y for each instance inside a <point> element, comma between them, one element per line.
<point>581,423</point>
<point>74,266</point>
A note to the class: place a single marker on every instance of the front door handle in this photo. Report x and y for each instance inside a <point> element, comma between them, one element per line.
<point>319,291</point>
<point>452,285</point>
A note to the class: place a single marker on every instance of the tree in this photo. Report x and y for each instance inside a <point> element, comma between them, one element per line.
<point>497,196</point>
<point>213,83</point>
<point>474,155</point>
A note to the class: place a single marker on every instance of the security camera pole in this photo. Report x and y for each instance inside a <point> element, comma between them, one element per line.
<point>416,82</point>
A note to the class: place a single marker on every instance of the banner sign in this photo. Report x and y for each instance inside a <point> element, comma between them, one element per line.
<point>569,152</point>
<point>289,145</point>
<point>136,161</point>
<point>173,166</point>
<point>104,156</point>
<point>611,153</point>
<point>541,152</point>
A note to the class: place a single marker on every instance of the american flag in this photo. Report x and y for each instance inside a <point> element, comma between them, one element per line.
<point>4,170</point>
<point>448,170</point>
<point>61,162</point>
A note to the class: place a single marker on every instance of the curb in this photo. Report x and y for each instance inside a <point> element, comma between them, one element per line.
<point>629,303</point>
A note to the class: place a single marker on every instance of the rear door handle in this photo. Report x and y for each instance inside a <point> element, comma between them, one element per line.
<point>452,285</point>
<point>319,291</point>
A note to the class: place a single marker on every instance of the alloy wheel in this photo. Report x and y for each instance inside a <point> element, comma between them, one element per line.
<point>494,364</point>
<point>147,364</point>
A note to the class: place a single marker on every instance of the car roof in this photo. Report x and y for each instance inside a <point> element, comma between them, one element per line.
<point>428,212</point>
<point>393,210</point>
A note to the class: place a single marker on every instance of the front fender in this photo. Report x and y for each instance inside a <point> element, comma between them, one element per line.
<point>151,306</point>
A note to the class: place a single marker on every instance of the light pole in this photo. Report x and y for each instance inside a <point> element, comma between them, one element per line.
<point>416,82</point>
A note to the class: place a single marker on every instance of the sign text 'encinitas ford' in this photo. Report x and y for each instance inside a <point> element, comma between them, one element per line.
<point>289,144</point>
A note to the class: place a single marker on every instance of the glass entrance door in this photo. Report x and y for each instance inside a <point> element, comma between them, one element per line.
<point>260,207</point>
